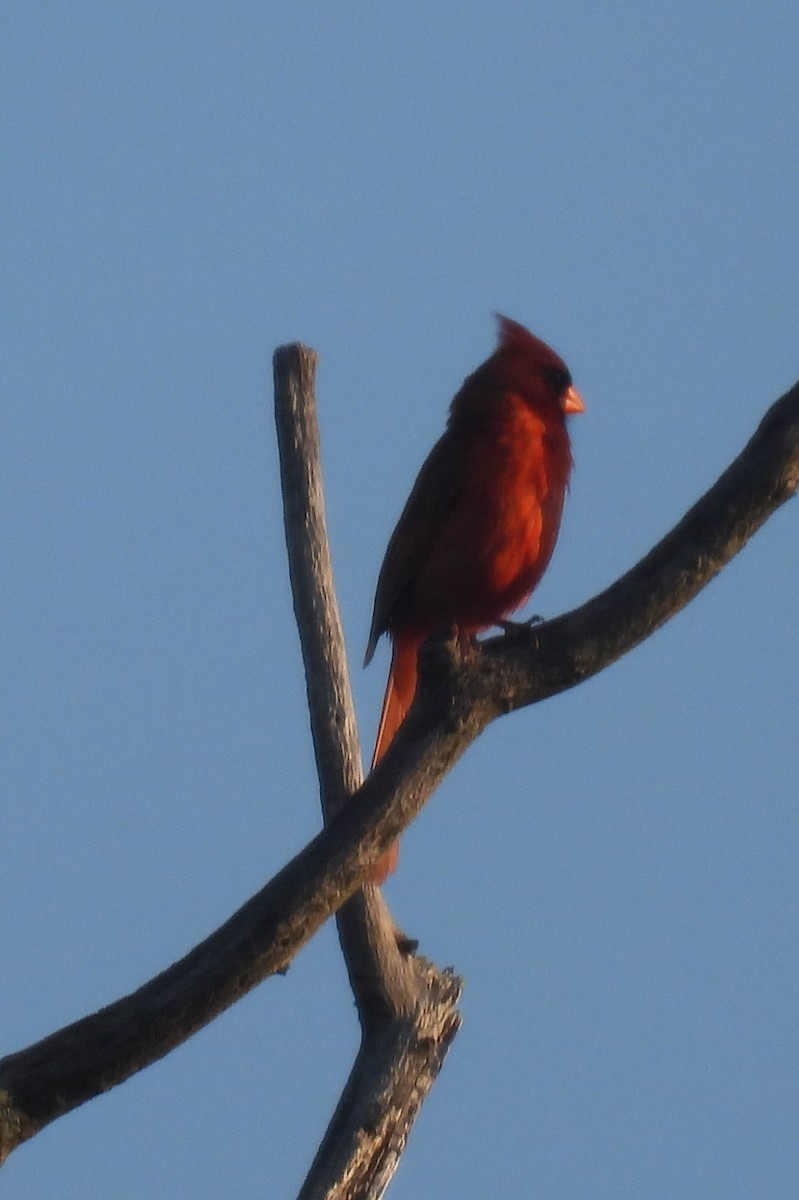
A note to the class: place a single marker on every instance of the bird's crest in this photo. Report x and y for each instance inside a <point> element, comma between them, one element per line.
<point>515,338</point>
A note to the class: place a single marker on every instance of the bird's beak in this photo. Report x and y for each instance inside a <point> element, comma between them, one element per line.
<point>572,401</point>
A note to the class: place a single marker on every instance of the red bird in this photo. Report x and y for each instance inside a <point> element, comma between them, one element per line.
<point>481,522</point>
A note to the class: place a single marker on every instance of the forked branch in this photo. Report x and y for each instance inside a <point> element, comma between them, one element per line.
<point>456,700</point>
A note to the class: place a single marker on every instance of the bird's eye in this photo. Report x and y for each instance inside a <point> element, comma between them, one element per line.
<point>558,378</point>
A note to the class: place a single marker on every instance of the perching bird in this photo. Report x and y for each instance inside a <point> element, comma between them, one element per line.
<point>482,519</point>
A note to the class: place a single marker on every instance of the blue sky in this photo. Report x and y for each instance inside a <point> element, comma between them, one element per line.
<point>614,872</point>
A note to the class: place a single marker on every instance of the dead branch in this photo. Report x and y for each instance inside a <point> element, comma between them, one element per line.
<point>406,1006</point>
<point>456,701</point>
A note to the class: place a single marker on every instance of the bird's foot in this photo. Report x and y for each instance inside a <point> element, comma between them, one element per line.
<point>520,629</point>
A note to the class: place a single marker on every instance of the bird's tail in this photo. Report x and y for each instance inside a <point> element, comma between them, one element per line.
<point>400,690</point>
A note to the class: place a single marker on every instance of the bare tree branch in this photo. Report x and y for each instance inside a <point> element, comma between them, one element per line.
<point>406,1005</point>
<point>456,701</point>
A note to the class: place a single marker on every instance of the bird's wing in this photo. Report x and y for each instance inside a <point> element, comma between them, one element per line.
<point>433,498</point>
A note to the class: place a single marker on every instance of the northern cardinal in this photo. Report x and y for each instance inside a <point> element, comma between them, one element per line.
<point>481,521</point>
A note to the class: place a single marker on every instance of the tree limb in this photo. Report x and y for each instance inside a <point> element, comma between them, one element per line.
<point>406,1006</point>
<point>456,701</point>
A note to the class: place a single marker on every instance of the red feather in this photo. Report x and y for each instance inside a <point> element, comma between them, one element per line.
<point>481,522</point>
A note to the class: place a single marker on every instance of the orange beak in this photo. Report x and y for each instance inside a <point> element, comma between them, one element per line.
<point>572,401</point>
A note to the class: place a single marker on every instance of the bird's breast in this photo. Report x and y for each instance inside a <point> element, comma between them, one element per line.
<point>493,547</point>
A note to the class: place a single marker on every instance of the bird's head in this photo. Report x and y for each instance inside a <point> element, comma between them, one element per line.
<point>531,367</point>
